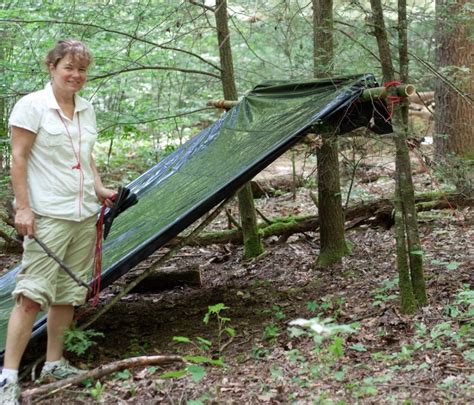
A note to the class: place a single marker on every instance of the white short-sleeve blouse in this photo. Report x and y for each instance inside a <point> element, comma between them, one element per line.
<point>60,177</point>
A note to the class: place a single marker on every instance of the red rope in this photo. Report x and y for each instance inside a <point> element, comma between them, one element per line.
<point>97,275</point>
<point>392,99</point>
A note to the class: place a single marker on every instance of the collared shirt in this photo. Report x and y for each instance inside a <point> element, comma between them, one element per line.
<point>57,186</point>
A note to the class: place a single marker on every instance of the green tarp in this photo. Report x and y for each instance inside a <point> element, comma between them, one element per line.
<point>215,163</point>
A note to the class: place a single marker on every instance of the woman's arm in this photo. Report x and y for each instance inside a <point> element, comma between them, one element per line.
<point>22,142</point>
<point>103,194</point>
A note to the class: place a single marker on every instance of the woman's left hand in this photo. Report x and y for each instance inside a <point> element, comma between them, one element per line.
<point>105,195</point>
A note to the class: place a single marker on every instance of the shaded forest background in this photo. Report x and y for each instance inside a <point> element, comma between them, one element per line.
<point>157,63</point>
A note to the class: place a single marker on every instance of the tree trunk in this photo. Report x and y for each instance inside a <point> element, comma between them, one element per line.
<point>454,115</point>
<point>332,241</point>
<point>380,34</point>
<point>252,242</point>
<point>323,42</point>
<point>409,254</point>
<point>406,189</point>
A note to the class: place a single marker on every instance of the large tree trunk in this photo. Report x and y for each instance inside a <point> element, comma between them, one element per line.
<point>252,242</point>
<point>409,254</point>
<point>333,244</point>
<point>323,42</point>
<point>332,241</point>
<point>454,115</point>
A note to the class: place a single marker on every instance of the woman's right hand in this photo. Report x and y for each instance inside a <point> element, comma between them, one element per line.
<point>25,223</point>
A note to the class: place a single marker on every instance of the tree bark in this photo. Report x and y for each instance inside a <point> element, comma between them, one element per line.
<point>253,245</point>
<point>380,34</point>
<point>333,243</point>
<point>323,38</point>
<point>406,188</point>
<point>454,115</point>
<point>409,253</point>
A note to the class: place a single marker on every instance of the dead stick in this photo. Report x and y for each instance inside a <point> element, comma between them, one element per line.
<point>51,254</point>
<point>263,216</point>
<point>155,265</point>
<point>232,220</point>
<point>103,371</point>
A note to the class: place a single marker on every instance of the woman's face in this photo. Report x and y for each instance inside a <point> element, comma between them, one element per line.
<point>69,75</point>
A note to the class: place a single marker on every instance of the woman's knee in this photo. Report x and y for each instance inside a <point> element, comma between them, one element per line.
<point>27,304</point>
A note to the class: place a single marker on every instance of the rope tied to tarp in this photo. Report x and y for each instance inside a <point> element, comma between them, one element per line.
<point>121,201</point>
<point>97,272</point>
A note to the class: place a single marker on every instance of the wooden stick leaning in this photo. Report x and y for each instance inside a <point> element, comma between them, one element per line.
<point>102,371</point>
<point>51,254</point>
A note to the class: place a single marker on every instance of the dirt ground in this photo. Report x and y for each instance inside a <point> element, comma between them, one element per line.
<point>384,358</point>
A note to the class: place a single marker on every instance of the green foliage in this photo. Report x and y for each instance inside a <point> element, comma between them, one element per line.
<point>196,367</point>
<point>152,102</point>
<point>271,332</point>
<point>97,391</point>
<point>79,341</point>
<point>386,292</point>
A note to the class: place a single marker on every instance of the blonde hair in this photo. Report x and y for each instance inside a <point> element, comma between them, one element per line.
<point>73,47</point>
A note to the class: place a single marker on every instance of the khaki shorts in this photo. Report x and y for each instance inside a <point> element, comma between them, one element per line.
<point>41,279</point>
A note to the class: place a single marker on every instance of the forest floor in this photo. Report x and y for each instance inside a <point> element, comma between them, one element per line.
<point>380,357</point>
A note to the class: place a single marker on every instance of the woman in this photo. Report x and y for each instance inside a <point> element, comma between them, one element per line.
<point>57,193</point>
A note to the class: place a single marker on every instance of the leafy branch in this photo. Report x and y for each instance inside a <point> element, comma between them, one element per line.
<point>110,30</point>
<point>133,69</point>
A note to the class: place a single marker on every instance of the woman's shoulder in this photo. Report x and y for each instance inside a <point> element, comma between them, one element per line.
<point>36,99</point>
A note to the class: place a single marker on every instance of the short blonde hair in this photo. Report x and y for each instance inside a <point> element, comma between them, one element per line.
<point>77,49</point>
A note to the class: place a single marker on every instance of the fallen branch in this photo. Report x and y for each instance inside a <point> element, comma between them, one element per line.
<point>168,278</point>
<point>375,213</point>
<point>102,371</point>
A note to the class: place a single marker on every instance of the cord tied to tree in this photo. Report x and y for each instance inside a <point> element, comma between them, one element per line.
<point>392,100</point>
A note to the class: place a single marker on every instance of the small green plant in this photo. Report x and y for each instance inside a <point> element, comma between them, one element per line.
<point>195,369</point>
<point>383,294</point>
<point>312,306</point>
<point>259,352</point>
<point>97,390</point>
<point>271,332</point>
<point>79,341</point>
<point>214,311</point>
<point>329,346</point>
<point>278,312</point>
<point>329,306</point>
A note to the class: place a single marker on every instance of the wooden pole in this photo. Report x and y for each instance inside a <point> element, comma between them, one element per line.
<point>403,90</point>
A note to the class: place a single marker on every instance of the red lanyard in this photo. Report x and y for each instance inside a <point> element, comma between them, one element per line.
<point>77,155</point>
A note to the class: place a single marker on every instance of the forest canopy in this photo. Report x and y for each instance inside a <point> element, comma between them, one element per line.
<point>157,62</point>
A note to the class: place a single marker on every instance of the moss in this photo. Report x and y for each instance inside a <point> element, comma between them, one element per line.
<point>277,227</point>
<point>333,255</point>
<point>253,247</point>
